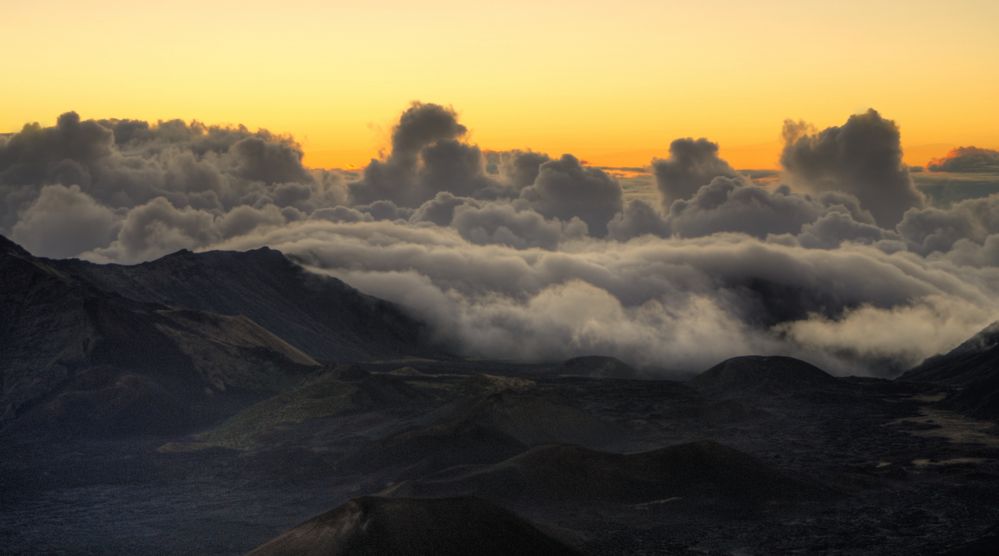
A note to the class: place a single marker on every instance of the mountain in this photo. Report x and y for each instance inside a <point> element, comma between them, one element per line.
<point>974,360</point>
<point>701,471</point>
<point>407,526</point>
<point>972,369</point>
<point>320,315</point>
<point>596,366</point>
<point>160,346</point>
<point>762,376</point>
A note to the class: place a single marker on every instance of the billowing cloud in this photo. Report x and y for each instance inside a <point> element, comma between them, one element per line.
<point>505,224</point>
<point>427,157</point>
<point>64,222</point>
<point>691,165</point>
<point>65,189</point>
<point>565,189</point>
<point>936,230</point>
<point>683,303</point>
<point>967,159</point>
<point>863,158</point>
<point>520,168</point>
<point>637,219</point>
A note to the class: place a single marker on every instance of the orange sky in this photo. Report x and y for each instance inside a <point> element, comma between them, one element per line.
<point>613,83</point>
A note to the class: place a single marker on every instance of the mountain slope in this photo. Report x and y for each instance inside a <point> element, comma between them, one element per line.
<point>73,353</point>
<point>977,358</point>
<point>403,526</point>
<point>319,315</point>
<point>762,376</point>
<point>972,368</point>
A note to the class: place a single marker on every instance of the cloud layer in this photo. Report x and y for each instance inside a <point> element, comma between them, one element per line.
<point>525,255</point>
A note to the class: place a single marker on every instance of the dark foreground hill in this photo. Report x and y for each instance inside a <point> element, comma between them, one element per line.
<point>412,526</point>
<point>702,472</point>
<point>762,376</point>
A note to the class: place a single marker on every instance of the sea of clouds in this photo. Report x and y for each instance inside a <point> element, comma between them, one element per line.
<point>841,260</point>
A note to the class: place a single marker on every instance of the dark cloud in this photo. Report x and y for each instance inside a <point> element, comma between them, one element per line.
<point>64,222</point>
<point>691,164</point>
<point>728,205</point>
<point>637,219</point>
<point>158,228</point>
<point>520,168</point>
<point>967,159</point>
<point>341,214</point>
<point>239,178</point>
<point>565,189</point>
<point>862,158</point>
<point>268,161</point>
<point>440,209</point>
<point>427,157</point>
<point>937,230</point>
<point>66,153</point>
<point>837,226</point>
<point>504,224</point>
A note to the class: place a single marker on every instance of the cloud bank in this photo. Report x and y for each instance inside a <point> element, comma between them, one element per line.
<point>524,255</point>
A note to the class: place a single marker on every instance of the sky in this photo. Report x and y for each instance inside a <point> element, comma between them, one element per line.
<point>611,82</point>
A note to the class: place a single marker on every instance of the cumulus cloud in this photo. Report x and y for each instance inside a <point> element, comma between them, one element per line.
<point>427,157</point>
<point>637,219</point>
<point>565,189</point>
<point>937,230</point>
<point>691,164</point>
<point>728,205</point>
<point>967,159</point>
<point>65,189</point>
<point>519,168</point>
<point>863,158</point>
<point>505,224</point>
<point>63,222</point>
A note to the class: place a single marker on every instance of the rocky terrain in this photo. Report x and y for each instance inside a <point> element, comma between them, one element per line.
<point>221,403</point>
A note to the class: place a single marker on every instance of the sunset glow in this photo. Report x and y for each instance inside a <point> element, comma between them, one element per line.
<point>612,83</point>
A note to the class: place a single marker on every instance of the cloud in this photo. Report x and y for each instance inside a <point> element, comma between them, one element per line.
<point>728,205</point>
<point>937,230</point>
<point>637,219</point>
<point>235,178</point>
<point>565,189</point>
<point>64,222</point>
<point>66,153</point>
<point>504,224</point>
<point>967,159</point>
<point>837,226</point>
<point>515,253</point>
<point>885,334</point>
<point>691,164</point>
<point>863,158</point>
<point>649,301</point>
<point>520,168</point>
<point>158,228</point>
<point>427,157</point>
